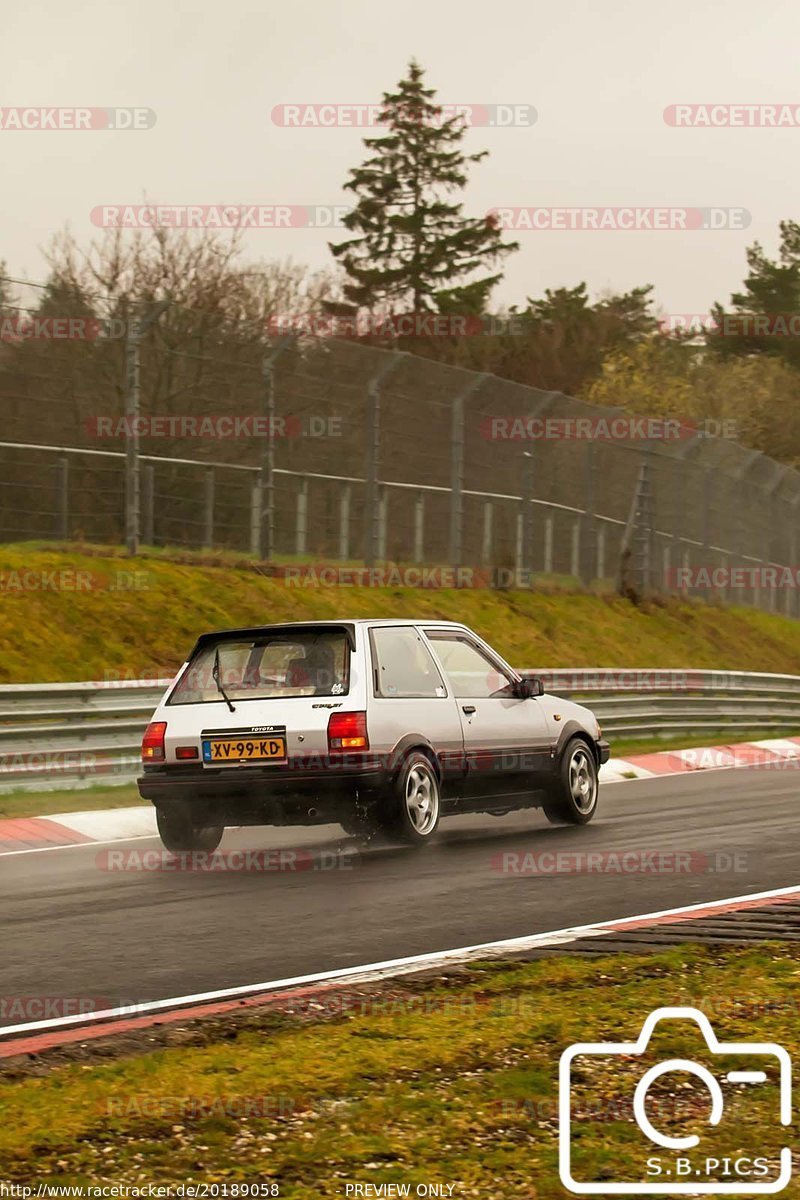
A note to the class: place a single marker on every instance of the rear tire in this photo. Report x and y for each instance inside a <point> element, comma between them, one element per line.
<point>415,805</point>
<point>179,833</point>
<point>572,796</point>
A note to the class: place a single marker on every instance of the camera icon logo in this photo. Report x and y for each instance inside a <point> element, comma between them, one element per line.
<point>673,1170</point>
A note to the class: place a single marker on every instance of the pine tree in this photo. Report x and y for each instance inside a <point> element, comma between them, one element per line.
<point>765,312</point>
<point>414,248</point>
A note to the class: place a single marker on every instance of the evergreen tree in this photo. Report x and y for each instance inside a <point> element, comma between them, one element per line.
<point>766,311</point>
<point>414,248</point>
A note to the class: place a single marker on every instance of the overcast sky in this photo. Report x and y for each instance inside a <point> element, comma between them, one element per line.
<point>598,74</point>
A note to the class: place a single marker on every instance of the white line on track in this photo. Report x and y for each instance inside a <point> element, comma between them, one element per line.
<point>136,837</point>
<point>399,966</point>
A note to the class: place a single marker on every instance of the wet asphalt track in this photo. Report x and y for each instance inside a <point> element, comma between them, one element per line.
<point>69,928</point>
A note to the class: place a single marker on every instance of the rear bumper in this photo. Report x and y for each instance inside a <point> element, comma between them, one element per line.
<point>265,795</point>
<point>603,751</point>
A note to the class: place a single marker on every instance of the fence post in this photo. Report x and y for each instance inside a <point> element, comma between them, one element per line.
<point>722,591</point>
<point>137,326</point>
<point>372,533</point>
<point>63,498</point>
<point>527,516</point>
<point>255,520</point>
<point>486,540</point>
<point>383,520</point>
<point>266,539</point>
<point>519,548</point>
<point>677,516</point>
<point>666,565</point>
<point>707,513</point>
<point>635,566</point>
<point>591,520</point>
<point>301,523</point>
<point>148,504</point>
<point>457,469</point>
<point>794,506</point>
<point>575,560</point>
<point>548,543</point>
<point>132,398</point>
<point>208,495</point>
<point>419,529</point>
<point>774,527</point>
<point>690,448</point>
<point>344,522</point>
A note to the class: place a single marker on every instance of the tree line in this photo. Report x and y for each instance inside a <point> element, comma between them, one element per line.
<point>411,250</point>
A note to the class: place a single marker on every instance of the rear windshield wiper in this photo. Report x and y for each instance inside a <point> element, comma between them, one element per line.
<point>215,677</point>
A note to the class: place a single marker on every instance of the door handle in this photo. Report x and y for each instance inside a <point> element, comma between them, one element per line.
<point>469,709</point>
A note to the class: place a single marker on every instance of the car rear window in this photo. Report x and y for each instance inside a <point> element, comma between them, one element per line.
<point>268,666</point>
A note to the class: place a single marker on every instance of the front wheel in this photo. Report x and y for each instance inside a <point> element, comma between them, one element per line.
<point>416,801</point>
<point>572,795</point>
<point>180,833</point>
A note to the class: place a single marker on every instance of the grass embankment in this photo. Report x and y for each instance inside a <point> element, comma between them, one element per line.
<point>453,1084</point>
<point>139,617</point>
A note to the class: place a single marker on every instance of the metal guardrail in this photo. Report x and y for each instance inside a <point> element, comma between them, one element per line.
<point>661,703</point>
<point>68,735</point>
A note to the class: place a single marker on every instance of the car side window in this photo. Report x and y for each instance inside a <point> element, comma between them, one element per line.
<point>472,674</point>
<point>403,665</point>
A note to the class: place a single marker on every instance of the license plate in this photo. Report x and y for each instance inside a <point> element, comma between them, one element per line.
<point>244,748</point>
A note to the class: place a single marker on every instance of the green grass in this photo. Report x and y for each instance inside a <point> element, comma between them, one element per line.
<point>146,631</point>
<point>61,800</point>
<point>453,1084</point>
<point>625,747</point>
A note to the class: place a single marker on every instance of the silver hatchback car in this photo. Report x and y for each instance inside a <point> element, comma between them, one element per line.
<point>377,725</point>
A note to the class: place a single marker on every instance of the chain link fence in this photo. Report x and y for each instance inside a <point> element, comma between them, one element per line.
<point>331,451</point>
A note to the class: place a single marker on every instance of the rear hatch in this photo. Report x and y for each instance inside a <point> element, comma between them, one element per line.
<point>264,697</point>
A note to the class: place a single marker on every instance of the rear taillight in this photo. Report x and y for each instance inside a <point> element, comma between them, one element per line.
<point>153,742</point>
<point>348,731</point>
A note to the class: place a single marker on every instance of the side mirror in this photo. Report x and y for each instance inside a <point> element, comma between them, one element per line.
<point>525,689</point>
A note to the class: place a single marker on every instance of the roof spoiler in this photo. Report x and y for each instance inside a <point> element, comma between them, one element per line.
<point>255,631</point>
